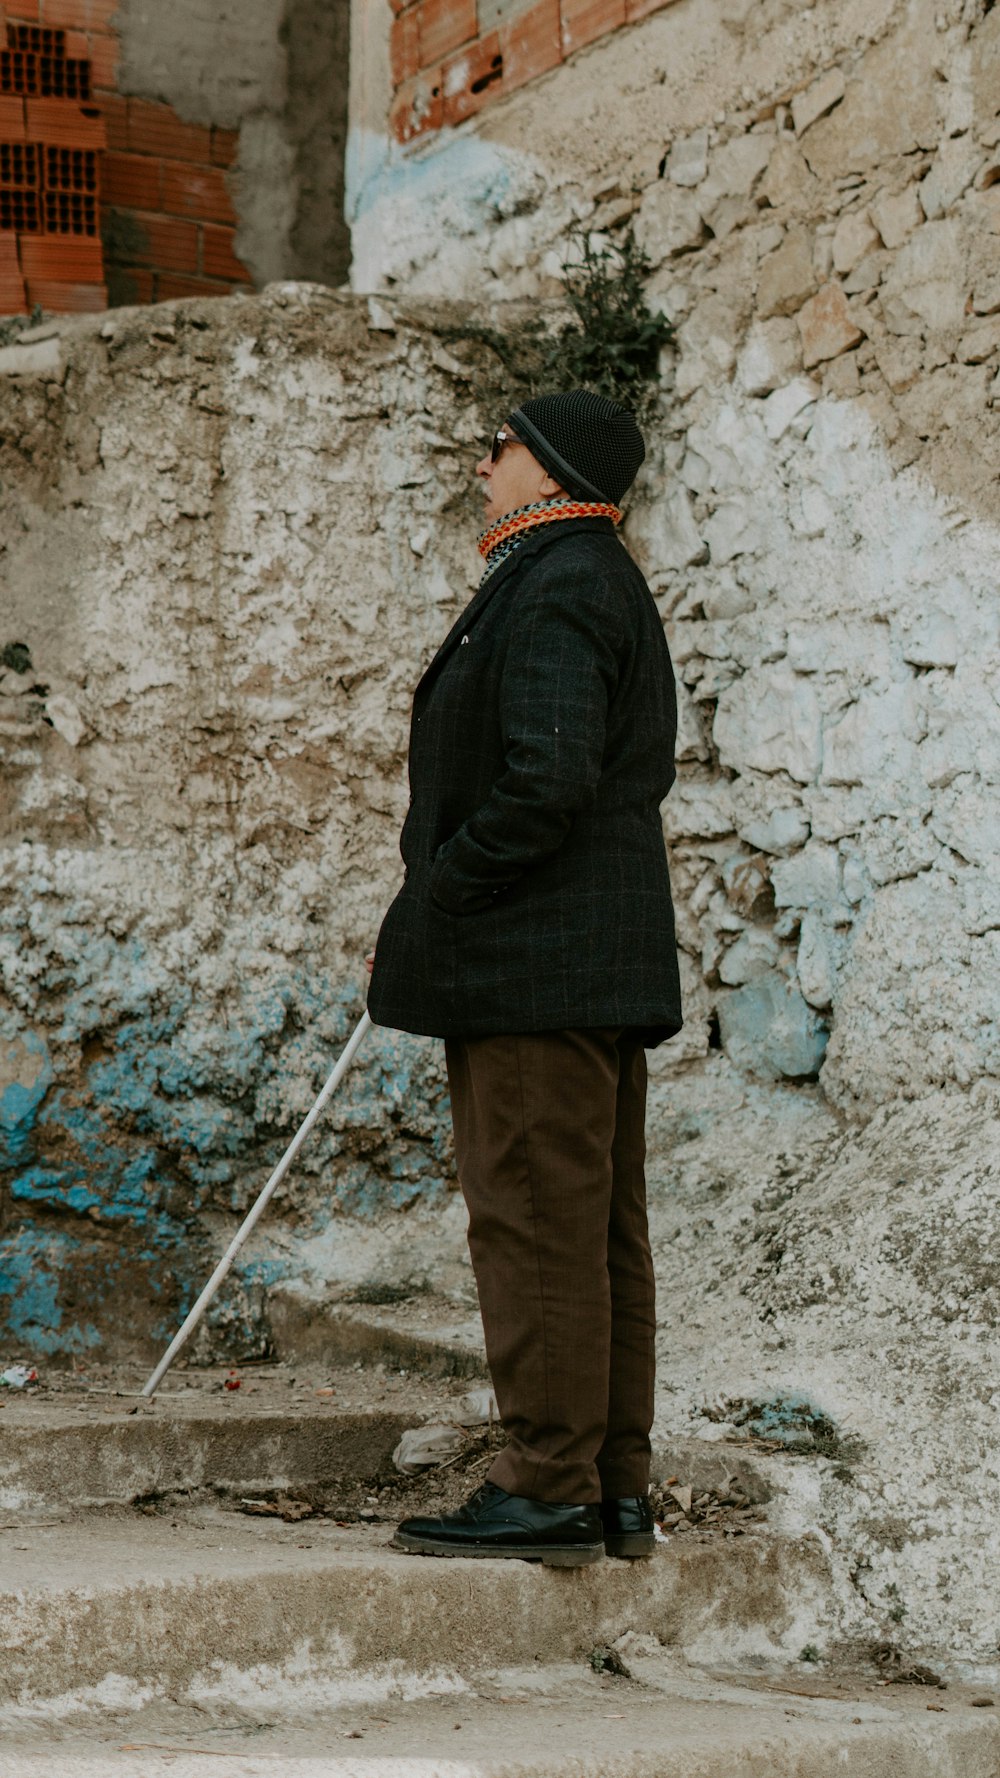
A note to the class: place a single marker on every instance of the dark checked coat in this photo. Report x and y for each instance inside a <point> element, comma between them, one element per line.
<point>536,894</point>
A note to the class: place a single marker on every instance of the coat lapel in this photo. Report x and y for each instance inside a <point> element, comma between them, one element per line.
<point>473,611</point>
<point>536,541</point>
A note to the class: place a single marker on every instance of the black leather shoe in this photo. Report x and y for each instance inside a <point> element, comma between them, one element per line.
<point>494,1523</point>
<point>628,1526</point>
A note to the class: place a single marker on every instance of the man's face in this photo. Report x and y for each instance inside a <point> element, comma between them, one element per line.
<point>515,479</point>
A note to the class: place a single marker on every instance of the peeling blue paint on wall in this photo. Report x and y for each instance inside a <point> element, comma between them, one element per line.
<point>155,1109</point>
<point>22,1097</point>
<point>33,1268</point>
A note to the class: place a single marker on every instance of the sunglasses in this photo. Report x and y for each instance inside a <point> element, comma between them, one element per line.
<point>500,439</point>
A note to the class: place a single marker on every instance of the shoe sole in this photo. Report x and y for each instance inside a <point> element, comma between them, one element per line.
<point>551,1555</point>
<point>634,1545</point>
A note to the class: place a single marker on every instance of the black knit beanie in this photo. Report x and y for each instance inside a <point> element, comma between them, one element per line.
<point>588,443</point>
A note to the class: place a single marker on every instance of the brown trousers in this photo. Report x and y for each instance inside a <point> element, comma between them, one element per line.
<point>550,1145</point>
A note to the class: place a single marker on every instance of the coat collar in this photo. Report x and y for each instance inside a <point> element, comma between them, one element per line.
<point>533,545</point>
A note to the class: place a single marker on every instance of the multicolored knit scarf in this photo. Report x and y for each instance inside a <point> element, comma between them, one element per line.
<point>502,539</point>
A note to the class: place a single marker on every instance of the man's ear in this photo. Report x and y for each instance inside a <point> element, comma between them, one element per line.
<point>548,489</point>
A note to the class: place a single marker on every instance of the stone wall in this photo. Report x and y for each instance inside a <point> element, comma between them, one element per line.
<point>221,571</point>
<point>819,532</point>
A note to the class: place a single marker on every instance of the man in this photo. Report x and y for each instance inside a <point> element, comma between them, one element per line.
<point>534,933</point>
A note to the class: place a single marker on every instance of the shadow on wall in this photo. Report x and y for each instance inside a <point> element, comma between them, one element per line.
<point>316,35</point>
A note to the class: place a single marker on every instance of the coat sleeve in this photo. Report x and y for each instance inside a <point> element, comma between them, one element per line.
<point>559,676</point>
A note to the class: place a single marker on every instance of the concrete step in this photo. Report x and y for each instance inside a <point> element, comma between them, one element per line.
<point>667,1719</point>
<point>324,1436</point>
<point>207,1603</point>
<point>425,1334</point>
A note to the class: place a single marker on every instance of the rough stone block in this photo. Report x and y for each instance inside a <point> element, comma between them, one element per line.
<point>44,359</point>
<point>926,288</point>
<point>779,832</point>
<point>855,236</point>
<point>955,167</point>
<point>826,326</point>
<point>668,222</point>
<point>732,530</point>
<point>867,129</point>
<point>810,878</point>
<point>754,954</point>
<point>698,809</point>
<point>663,532</point>
<point>896,215</point>
<point>687,162</point>
<point>785,405</point>
<point>787,277</point>
<point>931,640</point>
<point>771,356</point>
<point>868,273</point>
<point>873,740</point>
<point>816,961</point>
<point>818,99</point>
<point>768,1029</point>
<point>788,182</point>
<point>735,167</point>
<point>771,722</point>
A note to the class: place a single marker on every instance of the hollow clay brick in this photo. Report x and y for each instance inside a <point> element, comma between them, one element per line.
<point>159,241</point>
<point>114,111</point>
<point>62,256</point>
<point>76,15</point>
<point>531,43</point>
<point>404,47</point>
<point>219,257</point>
<point>198,192</point>
<point>583,21</point>
<point>11,119</point>
<point>169,287</point>
<point>444,25</point>
<point>61,121</point>
<point>128,284</point>
<point>157,129</point>
<point>225,147</point>
<point>132,180</point>
<point>103,59</point>
<point>472,78</point>
<point>66,297</point>
<point>418,106</point>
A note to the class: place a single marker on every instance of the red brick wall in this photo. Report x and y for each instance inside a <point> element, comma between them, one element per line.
<point>154,185</point>
<point>445,68</point>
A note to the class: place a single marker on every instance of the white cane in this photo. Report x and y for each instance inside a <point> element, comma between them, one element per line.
<point>247,1226</point>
